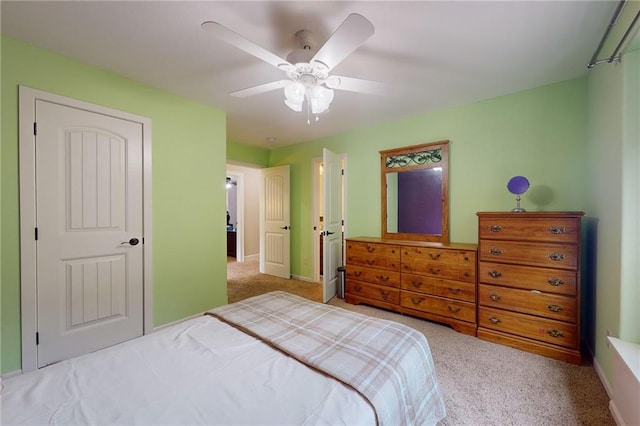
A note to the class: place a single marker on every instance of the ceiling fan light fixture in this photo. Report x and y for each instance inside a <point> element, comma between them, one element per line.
<point>294,95</point>
<point>320,98</point>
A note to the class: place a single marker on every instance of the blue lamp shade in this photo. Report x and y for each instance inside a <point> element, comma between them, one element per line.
<point>518,185</point>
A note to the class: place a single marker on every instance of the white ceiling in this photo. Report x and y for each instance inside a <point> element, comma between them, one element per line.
<point>438,54</point>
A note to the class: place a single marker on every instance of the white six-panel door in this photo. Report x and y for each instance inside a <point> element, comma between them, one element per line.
<point>275,225</point>
<point>89,215</point>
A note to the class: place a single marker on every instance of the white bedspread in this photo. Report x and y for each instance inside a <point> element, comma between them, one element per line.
<point>201,371</point>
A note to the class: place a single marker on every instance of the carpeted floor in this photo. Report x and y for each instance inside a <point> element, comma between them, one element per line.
<point>483,383</point>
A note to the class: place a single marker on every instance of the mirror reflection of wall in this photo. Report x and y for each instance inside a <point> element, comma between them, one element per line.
<point>232,202</point>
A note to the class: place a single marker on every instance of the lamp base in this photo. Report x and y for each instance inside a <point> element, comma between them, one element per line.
<point>518,210</point>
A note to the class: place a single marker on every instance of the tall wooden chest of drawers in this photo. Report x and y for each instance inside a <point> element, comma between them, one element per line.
<point>428,280</point>
<point>529,282</point>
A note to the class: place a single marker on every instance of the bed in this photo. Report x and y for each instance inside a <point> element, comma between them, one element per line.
<point>271,359</point>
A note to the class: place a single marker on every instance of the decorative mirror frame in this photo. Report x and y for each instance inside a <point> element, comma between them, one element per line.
<point>435,154</point>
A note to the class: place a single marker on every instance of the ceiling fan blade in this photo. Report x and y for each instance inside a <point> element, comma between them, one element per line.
<point>358,85</point>
<point>353,31</point>
<point>262,88</point>
<point>228,36</point>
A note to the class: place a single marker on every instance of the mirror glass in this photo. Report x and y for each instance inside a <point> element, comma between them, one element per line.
<point>414,198</point>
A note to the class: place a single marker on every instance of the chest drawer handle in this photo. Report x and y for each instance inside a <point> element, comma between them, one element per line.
<point>357,288</point>
<point>557,256</point>
<point>371,249</point>
<point>495,228</point>
<point>495,274</point>
<point>454,309</point>
<point>495,251</point>
<point>495,297</point>
<point>434,256</point>
<point>416,284</point>
<point>494,319</point>
<point>454,290</point>
<point>434,271</point>
<point>557,229</point>
<point>384,294</point>
<point>417,300</point>
<point>555,282</point>
<point>357,273</point>
<point>383,278</point>
<point>555,333</point>
<point>555,308</point>
<point>370,261</point>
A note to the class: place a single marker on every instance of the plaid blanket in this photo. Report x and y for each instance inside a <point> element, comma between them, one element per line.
<point>388,363</point>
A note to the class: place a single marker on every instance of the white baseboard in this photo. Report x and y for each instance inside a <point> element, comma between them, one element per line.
<point>603,378</point>
<point>251,257</point>
<point>169,324</point>
<point>10,374</point>
<point>301,278</point>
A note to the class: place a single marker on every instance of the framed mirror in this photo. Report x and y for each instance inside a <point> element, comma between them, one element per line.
<point>415,201</point>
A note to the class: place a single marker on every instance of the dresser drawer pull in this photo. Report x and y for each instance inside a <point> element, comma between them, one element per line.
<point>494,320</point>
<point>555,308</point>
<point>495,251</point>
<point>495,297</point>
<point>357,288</point>
<point>434,271</point>
<point>555,333</point>
<point>434,256</point>
<point>555,281</point>
<point>454,290</point>
<point>371,249</point>
<point>357,273</point>
<point>384,294</point>
<point>383,278</point>
<point>495,228</point>
<point>557,256</point>
<point>417,300</point>
<point>416,284</point>
<point>454,309</point>
<point>370,261</point>
<point>495,274</point>
<point>557,229</point>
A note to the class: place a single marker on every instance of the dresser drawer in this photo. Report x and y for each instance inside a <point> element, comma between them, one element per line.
<point>373,291</point>
<point>438,287</point>
<point>439,270</point>
<point>528,277</point>
<point>546,305</point>
<point>440,306</point>
<point>563,256</point>
<point>549,229</point>
<point>375,276</point>
<point>382,256</point>
<point>545,330</point>
<point>437,255</point>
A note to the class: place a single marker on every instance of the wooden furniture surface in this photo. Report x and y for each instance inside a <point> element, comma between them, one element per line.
<point>434,281</point>
<point>529,281</point>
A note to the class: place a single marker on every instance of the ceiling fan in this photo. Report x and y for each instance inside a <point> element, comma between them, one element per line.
<point>308,73</point>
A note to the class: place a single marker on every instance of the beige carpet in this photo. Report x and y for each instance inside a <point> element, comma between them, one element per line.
<point>483,383</point>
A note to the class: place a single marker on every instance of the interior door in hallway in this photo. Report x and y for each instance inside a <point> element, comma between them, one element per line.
<point>275,225</point>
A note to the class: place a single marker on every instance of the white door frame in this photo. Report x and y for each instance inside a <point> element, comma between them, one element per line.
<point>27,153</point>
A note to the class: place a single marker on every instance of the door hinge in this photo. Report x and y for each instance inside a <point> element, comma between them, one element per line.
<point>342,172</point>
<point>37,338</point>
<point>35,128</point>
<point>36,232</point>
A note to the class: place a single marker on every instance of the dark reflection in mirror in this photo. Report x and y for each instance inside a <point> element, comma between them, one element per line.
<point>414,192</point>
<point>414,201</point>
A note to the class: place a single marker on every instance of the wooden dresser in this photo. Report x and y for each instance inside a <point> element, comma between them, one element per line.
<point>529,282</point>
<point>428,280</point>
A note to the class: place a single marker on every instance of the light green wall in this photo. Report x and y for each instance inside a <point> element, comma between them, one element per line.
<point>189,147</point>
<point>538,133</point>
<point>614,198</point>
<point>247,154</point>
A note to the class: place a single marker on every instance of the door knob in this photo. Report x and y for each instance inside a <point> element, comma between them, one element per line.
<point>285,227</point>
<point>132,242</point>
